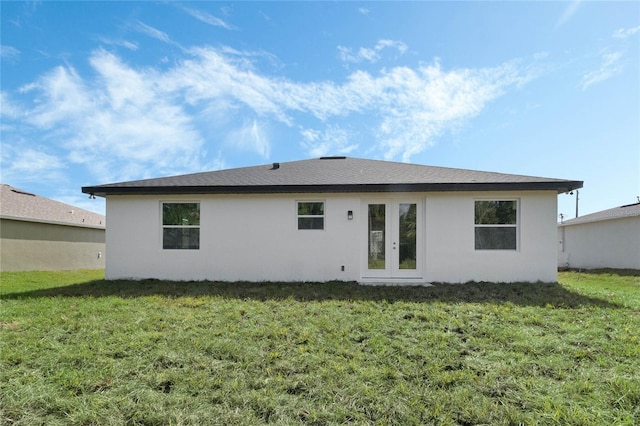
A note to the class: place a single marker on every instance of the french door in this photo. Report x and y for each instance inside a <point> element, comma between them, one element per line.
<point>394,239</point>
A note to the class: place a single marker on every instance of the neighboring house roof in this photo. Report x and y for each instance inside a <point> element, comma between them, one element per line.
<point>334,174</point>
<point>21,205</point>
<point>630,210</point>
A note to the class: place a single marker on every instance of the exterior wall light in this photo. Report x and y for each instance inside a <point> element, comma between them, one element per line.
<point>350,215</point>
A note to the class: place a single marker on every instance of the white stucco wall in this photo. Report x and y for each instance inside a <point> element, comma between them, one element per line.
<point>450,248</point>
<point>252,238</point>
<point>255,238</point>
<point>611,243</point>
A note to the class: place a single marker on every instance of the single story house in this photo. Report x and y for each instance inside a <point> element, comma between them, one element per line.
<point>334,218</point>
<point>40,234</point>
<point>606,239</point>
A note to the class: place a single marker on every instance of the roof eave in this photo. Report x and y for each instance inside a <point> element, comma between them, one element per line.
<point>52,222</point>
<point>559,186</point>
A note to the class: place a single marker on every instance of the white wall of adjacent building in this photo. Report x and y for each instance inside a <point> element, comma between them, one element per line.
<point>613,243</point>
<point>256,238</point>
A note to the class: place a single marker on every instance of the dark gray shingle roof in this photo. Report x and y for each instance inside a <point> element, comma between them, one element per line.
<point>21,205</point>
<point>334,174</point>
<point>631,210</point>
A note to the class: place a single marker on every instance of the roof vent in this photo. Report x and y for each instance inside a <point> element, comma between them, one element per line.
<point>335,157</point>
<point>276,166</point>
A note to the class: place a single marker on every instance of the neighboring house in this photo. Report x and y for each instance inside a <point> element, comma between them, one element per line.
<point>606,239</point>
<point>334,218</point>
<point>37,233</point>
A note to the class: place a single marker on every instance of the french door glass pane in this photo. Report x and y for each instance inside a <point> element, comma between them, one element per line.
<point>407,236</point>
<point>377,221</point>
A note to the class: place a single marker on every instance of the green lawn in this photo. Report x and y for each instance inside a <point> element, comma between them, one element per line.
<point>75,349</point>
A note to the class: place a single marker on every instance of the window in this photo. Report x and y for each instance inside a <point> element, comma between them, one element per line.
<point>496,225</point>
<point>310,214</point>
<point>181,226</point>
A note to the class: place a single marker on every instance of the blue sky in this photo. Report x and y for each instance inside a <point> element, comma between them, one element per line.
<point>100,92</point>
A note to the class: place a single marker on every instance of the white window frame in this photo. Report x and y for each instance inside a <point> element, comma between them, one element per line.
<point>163,226</point>
<point>323,216</point>
<point>509,225</point>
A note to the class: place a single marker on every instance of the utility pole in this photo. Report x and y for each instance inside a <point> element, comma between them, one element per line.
<point>577,197</point>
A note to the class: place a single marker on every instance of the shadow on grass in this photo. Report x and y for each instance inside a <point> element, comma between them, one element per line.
<point>525,294</point>
<point>605,271</point>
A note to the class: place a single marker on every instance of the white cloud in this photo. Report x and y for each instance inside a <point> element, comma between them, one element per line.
<point>30,165</point>
<point>411,106</point>
<point>64,97</point>
<point>419,105</point>
<point>370,54</point>
<point>8,52</point>
<point>207,18</point>
<point>152,32</point>
<point>211,76</point>
<point>398,45</point>
<point>120,126</point>
<point>131,123</point>
<point>608,68</point>
<point>216,163</point>
<point>626,32</point>
<point>8,109</point>
<point>122,43</point>
<point>332,140</point>
<point>252,137</point>
<point>610,62</point>
<point>124,86</point>
<point>568,12</point>
<point>363,11</point>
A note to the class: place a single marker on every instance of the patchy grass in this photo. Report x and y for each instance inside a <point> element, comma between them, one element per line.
<point>75,349</point>
<point>620,286</point>
<point>13,282</point>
